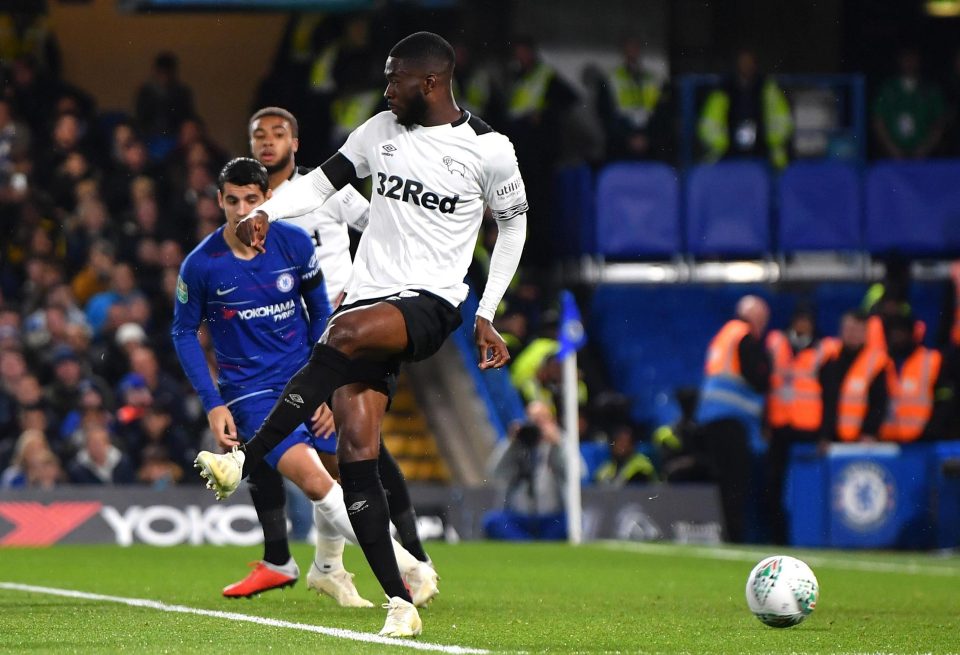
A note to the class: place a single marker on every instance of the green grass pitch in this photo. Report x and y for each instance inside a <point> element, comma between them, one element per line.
<point>625,598</point>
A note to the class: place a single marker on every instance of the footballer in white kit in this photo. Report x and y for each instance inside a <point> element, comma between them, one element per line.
<point>434,169</point>
<point>430,187</point>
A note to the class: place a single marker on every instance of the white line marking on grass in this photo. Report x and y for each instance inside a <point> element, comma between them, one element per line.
<point>339,633</point>
<point>744,555</point>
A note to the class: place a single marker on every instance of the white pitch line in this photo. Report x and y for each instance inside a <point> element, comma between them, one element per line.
<point>744,555</point>
<point>339,633</point>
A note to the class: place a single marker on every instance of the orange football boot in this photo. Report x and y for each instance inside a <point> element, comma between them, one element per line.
<point>264,577</point>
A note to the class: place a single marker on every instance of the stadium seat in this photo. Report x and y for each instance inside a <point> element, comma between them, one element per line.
<point>820,207</point>
<point>728,209</point>
<point>913,208</point>
<point>574,207</point>
<point>638,212</point>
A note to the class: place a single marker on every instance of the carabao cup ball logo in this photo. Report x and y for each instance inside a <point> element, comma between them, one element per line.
<point>285,282</point>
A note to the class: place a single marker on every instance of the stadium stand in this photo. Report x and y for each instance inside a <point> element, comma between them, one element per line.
<point>728,210</point>
<point>638,211</point>
<point>913,208</point>
<point>820,208</point>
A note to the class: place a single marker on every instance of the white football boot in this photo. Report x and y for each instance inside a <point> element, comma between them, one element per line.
<point>336,584</point>
<point>222,472</point>
<point>402,619</point>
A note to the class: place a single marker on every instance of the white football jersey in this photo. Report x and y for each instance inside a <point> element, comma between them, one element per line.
<point>430,186</point>
<point>327,226</point>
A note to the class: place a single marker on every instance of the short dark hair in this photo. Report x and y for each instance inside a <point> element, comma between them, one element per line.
<point>426,46</point>
<point>242,171</point>
<point>279,112</point>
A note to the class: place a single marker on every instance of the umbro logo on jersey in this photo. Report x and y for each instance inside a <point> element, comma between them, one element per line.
<point>389,149</point>
<point>454,166</point>
<point>223,292</point>
<point>397,188</point>
<point>358,506</point>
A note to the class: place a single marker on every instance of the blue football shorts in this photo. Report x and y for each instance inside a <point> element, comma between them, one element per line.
<point>249,412</point>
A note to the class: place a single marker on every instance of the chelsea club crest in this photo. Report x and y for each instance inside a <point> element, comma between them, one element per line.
<point>285,282</point>
<point>864,496</point>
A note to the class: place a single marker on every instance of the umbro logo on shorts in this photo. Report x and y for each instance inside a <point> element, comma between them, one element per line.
<point>358,506</point>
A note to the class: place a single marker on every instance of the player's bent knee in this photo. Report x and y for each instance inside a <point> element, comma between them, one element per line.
<point>354,446</point>
<point>343,335</point>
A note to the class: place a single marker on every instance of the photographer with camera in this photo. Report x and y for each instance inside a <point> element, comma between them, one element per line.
<point>529,469</point>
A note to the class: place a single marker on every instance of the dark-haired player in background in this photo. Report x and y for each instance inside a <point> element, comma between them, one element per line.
<point>435,169</point>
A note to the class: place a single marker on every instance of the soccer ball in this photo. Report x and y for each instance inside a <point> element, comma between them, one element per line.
<point>782,591</point>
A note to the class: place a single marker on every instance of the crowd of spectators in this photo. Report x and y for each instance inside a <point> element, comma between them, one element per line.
<point>96,211</point>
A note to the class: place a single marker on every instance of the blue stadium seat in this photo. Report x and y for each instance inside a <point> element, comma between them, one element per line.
<point>820,207</point>
<point>913,208</point>
<point>728,209</point>
<point>574,207</point>
<point>638,213</point>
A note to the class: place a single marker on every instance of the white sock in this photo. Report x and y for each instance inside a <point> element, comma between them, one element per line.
<point>330,515</point>
<point>330,540</point>
<point>405,561</point>
<point>335,512</point>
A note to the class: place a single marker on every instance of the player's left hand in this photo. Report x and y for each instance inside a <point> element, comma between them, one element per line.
<point>322,422</point>
<point>492,347</point>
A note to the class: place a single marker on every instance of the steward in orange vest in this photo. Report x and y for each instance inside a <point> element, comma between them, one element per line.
<point>854,387</point>
<point>919,394</point>
<point>730,412</point>
<point>794,405</point>
<point>795,399</point>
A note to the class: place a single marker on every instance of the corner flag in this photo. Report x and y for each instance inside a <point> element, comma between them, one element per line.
<point>572,334</point>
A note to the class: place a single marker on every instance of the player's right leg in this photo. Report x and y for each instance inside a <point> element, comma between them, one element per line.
<point>299,462</point>
<point>358,410</point>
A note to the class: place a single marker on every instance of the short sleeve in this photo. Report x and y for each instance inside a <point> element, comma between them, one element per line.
<point>503,188</point>
<point>357,147</point>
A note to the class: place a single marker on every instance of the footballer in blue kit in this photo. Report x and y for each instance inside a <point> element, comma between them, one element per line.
<point>262,332</point>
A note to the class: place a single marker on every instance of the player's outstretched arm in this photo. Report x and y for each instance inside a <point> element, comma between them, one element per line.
<point>305,195</point>
<point>492,347</point>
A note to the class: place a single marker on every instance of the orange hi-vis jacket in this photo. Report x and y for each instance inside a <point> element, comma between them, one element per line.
<point>796,398</point>
<point>911,396</point>
<point>725,392</point>
<point>877,339</point>
<point>855,390</point>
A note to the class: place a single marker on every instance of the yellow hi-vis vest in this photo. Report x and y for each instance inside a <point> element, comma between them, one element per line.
<point>321,73</point>
<point>636,96</point>
<point>351,110</point>
<point>301,40</point>
<point>476,92</point>
<point>713,128</point>
<point>529,93</point>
